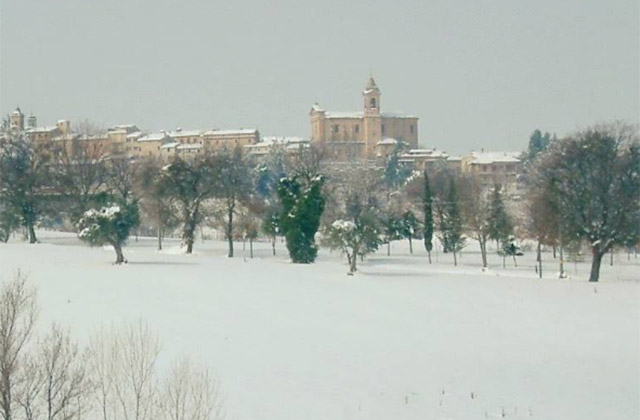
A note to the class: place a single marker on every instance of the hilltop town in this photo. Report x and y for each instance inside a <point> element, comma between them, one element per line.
<point>370,134</point>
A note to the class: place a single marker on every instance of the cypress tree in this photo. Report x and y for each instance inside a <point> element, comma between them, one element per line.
<point>428,216</point>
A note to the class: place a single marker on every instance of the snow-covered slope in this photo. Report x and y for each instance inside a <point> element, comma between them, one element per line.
<point>399,340</point>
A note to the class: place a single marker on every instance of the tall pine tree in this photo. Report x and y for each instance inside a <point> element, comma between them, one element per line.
<point>428,216</point>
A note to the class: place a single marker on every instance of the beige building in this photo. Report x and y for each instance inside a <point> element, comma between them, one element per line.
<point>368,134</point>
<point>493,167</point>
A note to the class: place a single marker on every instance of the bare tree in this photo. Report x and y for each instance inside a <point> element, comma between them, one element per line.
<point>234,185</point>
<point>18,314</point>
<point>189,393</point>
<point>123,365</point>
<point>54,380</point>
<point>476,209</point>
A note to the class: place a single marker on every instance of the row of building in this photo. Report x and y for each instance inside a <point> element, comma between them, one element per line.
<point>368,134</point>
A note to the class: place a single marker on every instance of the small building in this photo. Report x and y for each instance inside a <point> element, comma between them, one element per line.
<point>493,167</point>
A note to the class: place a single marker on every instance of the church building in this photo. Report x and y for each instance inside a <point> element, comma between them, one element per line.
<point>368,134</point>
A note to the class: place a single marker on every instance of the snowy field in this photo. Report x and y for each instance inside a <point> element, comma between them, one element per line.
<point>401,339</point>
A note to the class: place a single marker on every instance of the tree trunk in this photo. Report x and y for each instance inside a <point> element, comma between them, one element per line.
<point>30,229</point>
<point>515,263</point>
<point>189,232</point>
<point>554,252</point>
<point>230,231</point>
<point>611,260</point>
<point>119,255</point>
<point>388,248</point>
<point>483,251</point>
<point>595,264</point>
<point>250,247</point>
<point>539,259</point>
<point>159,237</point>
<point>273,244</point>
<point>429,254</point>
<point>410,246</point>
<point>353,260</point>
<point>455,259</point>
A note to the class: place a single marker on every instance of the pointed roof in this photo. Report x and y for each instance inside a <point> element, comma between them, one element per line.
<point>371,86</point>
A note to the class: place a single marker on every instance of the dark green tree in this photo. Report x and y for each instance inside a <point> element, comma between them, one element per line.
<point>110,225</point>
<point>451,223</point>
<point>500,224</point>
<point>395,172</point>
<point>302,206</point>
<point>427,209</point>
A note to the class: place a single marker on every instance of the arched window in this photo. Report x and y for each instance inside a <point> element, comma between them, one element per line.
<point>373,103</point>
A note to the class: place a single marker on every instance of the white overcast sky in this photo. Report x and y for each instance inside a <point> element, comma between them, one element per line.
<point>478,73</point>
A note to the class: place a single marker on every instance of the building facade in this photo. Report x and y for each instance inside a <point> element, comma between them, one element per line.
<point>367,134</point>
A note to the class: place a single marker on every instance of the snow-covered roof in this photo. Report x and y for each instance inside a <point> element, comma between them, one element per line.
<point>48,129</point>
<point>333,114</point>
<point>271,140</point>
<point>230,132</point>
<point>487,158</point>
<point>426,153</point>
<point>134,135</point>
<point>317,108</point>
<point>127,127</point>
<point>454,158</point>
<point>171,145</point>
<point>154,137</point>
<point>186,133</point>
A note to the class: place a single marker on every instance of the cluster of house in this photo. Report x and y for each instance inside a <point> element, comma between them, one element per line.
<point>368,134</point>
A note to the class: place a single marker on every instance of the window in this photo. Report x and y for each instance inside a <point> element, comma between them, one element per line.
<point>335,128</point>
<point>356,129</point>
<point>411,128</point>
<point>382,128</point>
<point>373,103</point>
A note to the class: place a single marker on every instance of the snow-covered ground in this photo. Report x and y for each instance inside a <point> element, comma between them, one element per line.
<point>401,339</point>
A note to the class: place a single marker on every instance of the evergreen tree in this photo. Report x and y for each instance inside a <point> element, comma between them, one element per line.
<point>302,204</point>
<point>409,228</point>
<point>391,229</point>
<point>395,172</point>
<point>427,203</point>
<point>538,142</point>
<point>500,224</point>
<point>451,223</point>
<point>110,225</point>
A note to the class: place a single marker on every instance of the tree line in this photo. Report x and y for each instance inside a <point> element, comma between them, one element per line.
<point>579,190</point>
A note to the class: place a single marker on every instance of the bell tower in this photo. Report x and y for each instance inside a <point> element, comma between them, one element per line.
<point>17,120</point>
<point>371,96</point>
<point>372,120</point>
